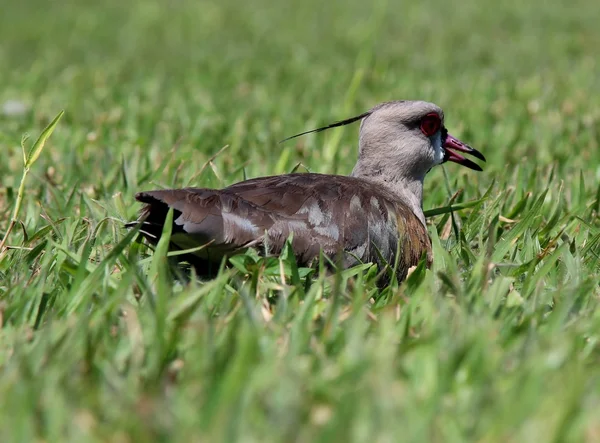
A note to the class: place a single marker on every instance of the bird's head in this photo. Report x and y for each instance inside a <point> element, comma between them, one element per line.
<point>410,137</point>
<point>404,140</point>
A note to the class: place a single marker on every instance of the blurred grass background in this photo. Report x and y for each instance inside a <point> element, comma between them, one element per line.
<point>498,342</point>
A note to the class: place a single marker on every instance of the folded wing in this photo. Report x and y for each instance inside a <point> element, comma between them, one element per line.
<point>332,213</point>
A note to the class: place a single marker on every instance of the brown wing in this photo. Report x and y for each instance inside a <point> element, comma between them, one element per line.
<point>325,212</point>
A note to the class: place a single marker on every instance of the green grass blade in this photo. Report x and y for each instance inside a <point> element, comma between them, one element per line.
<point>39,144</point>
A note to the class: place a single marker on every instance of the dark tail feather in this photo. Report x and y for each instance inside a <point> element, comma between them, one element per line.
<point>152,217</point>
<point>152,220</point>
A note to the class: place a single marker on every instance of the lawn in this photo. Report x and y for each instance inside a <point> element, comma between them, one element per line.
<point>498,342</point>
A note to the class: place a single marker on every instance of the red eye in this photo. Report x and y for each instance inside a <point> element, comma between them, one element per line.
<point>430,124</point>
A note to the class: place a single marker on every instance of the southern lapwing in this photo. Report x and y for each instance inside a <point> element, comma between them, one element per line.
<point>373,215</point>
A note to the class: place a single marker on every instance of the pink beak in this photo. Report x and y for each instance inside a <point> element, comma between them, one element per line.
<point>453,144</point>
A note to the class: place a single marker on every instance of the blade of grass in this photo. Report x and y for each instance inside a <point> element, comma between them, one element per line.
<point>28,161</point>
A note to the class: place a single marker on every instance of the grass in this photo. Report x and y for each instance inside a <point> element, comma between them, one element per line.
<point>499,341</point>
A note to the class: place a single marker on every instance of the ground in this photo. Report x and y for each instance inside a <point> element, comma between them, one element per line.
<point>498,342</point>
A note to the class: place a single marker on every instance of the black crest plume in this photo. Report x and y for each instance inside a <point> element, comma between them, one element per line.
<point>332,125</point>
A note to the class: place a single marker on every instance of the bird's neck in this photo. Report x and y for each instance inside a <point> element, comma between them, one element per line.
<point>407,189</point>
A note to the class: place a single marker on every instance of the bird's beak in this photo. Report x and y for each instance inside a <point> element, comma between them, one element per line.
<point>453,144</point>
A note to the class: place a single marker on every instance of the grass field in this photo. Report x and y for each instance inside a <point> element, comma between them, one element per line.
<point>498,342</point>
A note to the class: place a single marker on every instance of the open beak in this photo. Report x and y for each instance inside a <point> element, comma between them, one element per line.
<point>453,144</point>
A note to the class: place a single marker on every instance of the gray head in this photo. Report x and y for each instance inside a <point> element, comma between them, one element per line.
<point>399,143</point>
<point>411,136</point>
<point>408,134</point>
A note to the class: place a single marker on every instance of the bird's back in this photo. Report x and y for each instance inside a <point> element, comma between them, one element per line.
<point>324,212</point>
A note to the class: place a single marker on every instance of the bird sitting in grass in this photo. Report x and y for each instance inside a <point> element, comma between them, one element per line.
<point>374,215</point>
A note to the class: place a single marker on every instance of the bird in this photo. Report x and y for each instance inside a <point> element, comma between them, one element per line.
<point>373,215</point>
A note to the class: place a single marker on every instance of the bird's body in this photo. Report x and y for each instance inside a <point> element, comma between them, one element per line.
<point>374,215</point>
<point>331,213</point>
